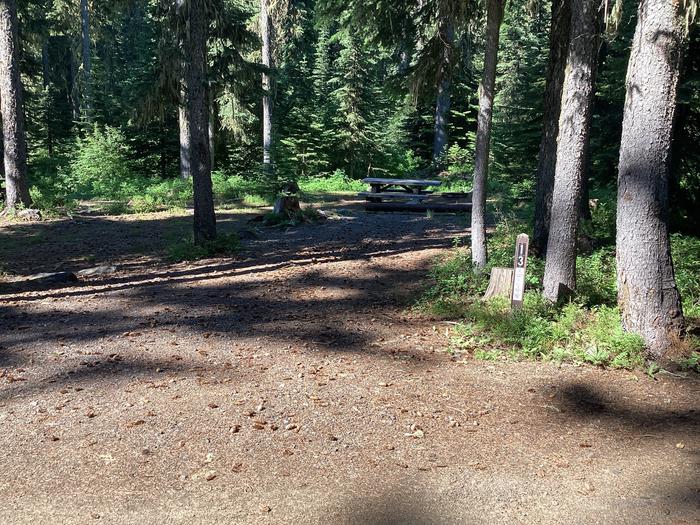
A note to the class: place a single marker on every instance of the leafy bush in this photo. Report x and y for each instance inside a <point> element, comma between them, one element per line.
<point>338,182</point>
<point>159,194</point>
<point>692,362</point>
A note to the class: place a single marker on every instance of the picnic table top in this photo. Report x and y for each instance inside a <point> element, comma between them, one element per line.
<point>403,182</point>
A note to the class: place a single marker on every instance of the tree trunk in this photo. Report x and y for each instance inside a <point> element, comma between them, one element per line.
<point>45,69</point>
<point>184,127</point>
<point>546,162</point>
<point>87,60</point>
<point>442,105</point>
<point>194,138</point>
<point>15,140</point>
<point>2,163</point>
<point>74,90</point>
<point>574,131</point>
<point>266,35</point>
<point>213,129</point>
<point>647,292</point>
<point>494,17</point>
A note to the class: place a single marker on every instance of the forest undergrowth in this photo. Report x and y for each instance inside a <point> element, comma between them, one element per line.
<point>584,329</point>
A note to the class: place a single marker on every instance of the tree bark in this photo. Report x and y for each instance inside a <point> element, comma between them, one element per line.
<point>195,116</point>
<point>442,105</point>
<point>2,149</point>
<point>74,90</point>
<point>546,162</point>
<point>45,69</point>
<point>494,17</point>
<point>574,132</point>
<point>184,127</point>
<point>213,129</point>
<point>87,60</point>
<point>266,35</point>
<point>647,293</point>
<point>13,126</point>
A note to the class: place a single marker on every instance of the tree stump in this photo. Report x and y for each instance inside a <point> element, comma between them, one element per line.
<point>287,203</point>
<point>500,284</point>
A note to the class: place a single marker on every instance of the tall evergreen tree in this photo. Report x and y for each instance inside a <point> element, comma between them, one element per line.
<point>86,59</point>
<point>444,85</point>
<point>195,113</point>
<point>494,17</point>
<point>647,292</point>
<point>267,100</point>
<point>572,149</point>
<point>11,105</point>
<point>546,162</point>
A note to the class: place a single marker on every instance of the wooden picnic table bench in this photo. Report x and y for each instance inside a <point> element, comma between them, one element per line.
<point>407,185</point>
<point>412,195</point>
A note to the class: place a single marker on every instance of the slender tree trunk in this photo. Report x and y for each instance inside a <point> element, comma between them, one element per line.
<point>162,151</point>
<point>546,162</point>
<point>266,34</point>
<point>404,58</point>
<point>45,68</point>
<point>195,116</point>
<point>87,60</point>
<point>15,141</point>
<point>2,149</point>
<point>73,89</point>
<point>647,293</point>
<point>442,105</point>
<point>574,131</point>
<point>184,126</point>
<point>214,129</point>
<point>494,17</point>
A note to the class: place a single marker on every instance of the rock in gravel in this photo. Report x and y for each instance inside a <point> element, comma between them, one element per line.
<point>97,271</point>
<point>29,215</point>
<point>52,278</point>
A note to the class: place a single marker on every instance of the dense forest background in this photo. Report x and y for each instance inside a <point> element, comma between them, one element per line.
<point>353,95</point>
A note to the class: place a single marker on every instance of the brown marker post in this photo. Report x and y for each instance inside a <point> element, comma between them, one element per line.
<point>520,265</point>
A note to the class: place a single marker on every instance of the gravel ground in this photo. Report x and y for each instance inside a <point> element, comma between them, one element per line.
<point>296,385</point>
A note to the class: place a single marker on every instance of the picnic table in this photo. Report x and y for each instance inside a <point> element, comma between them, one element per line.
<point>411,195</point>
<point>406,185</point>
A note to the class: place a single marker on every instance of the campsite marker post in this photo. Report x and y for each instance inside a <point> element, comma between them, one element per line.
<point>520,264</point>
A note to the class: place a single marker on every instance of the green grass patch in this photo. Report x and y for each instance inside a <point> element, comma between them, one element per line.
<point>335,183</point>
<point>572,333</point>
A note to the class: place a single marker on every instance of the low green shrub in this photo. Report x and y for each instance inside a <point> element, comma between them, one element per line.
<point>337,182</point>
<point>692,362</point>
<point>540,331</point>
